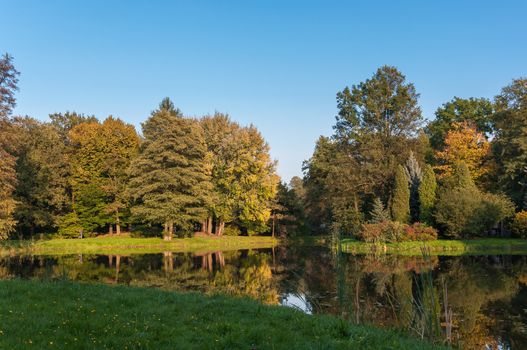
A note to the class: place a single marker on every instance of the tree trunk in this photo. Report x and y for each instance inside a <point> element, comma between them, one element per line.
<point>117,224</point>
<point>274,220</point>
<point>217,228</point>
<point>170,230</point>
<point>204,226</point>
<point>110,230</point>
<point>209,225</point>
<point>165,231</point>
<point>221,226</point>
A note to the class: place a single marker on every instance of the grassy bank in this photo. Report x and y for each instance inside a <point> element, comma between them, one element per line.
<point>66,315</point>
<point>442,247</point>
<point>123,245</point>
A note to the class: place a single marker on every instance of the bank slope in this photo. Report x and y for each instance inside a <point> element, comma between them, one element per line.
<point>66,315</point>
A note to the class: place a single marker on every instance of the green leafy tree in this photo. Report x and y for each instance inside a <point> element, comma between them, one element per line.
<point>401,197</point>
<point>64,122</point>
<point>42,172</point>
<point>316,184</point>
<point>464,211</point>
<point>509,145</point>
<point>168,182</point>
<point>427,195</point>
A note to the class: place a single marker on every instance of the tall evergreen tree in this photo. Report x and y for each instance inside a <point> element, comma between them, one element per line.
<point>168,182</point>
<point>427,195</point>
<point>401,197</point>
<point>8,85</point>
<point>378,213</point>
<point>414,175</point>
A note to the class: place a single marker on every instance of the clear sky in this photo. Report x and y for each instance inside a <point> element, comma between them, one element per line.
<point>276,64</point>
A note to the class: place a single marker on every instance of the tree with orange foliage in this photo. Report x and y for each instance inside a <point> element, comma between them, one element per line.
<point>463,143</point>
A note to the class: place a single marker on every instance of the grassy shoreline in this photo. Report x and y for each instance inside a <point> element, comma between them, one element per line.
<point>44,315</point>
<point>485,246</point>
<point>128,245</point>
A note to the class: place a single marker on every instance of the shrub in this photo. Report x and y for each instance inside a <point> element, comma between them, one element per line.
<point>463,210</point>
<point>70,226</point>
<point>419,232</point>
<point>232,230</point>
<point>468,212</point>
<point>519,224</point>
<point>386,231</point>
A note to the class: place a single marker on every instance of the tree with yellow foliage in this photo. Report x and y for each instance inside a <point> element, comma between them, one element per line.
<point>463,143</point>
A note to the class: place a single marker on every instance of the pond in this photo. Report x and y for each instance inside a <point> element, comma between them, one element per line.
<point>481,301</point>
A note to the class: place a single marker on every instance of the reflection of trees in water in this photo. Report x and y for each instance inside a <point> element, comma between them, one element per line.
<point>383,292</point>
<point>242,273</point>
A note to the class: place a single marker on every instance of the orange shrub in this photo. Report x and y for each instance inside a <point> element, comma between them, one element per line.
<point>393,231</point>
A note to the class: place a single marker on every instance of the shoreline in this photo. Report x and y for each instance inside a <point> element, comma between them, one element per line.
<point>477,246</point>
<point>124,245</point>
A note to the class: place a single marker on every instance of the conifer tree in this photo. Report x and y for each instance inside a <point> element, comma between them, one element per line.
<point>427,195</point>
<point>401,197</point>
<point>414,174</point>
<point>378,213</point>
<point>168,181</point>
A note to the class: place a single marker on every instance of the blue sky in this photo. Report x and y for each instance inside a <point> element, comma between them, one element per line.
<point>276,64</point>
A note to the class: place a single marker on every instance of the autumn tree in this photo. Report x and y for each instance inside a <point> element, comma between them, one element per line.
<point>463,144</point>
<point>474,111</point>
<point>256,181</point>
<point>168,182</point>
<point>8,87</point>
<point>8,180</point>
<point>243,175</point>
<point>220,134</point>
<point>100,156</point>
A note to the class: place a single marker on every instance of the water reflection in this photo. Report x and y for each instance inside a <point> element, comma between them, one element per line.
<point>486,295</point>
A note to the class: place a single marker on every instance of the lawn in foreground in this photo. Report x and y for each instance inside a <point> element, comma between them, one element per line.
<point>67,315</point>
<point>478,246</point>
<point>118,245</point>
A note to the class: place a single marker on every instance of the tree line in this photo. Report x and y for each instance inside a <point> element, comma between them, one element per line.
<point>464,172</point>
<point>75,175</point>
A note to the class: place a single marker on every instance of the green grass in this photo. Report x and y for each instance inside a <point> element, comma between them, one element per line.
<point>64,315</point>
<point>508,246</point>
<point>124,245</point>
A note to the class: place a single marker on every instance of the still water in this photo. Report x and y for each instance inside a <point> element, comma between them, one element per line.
<point>481,301</point>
